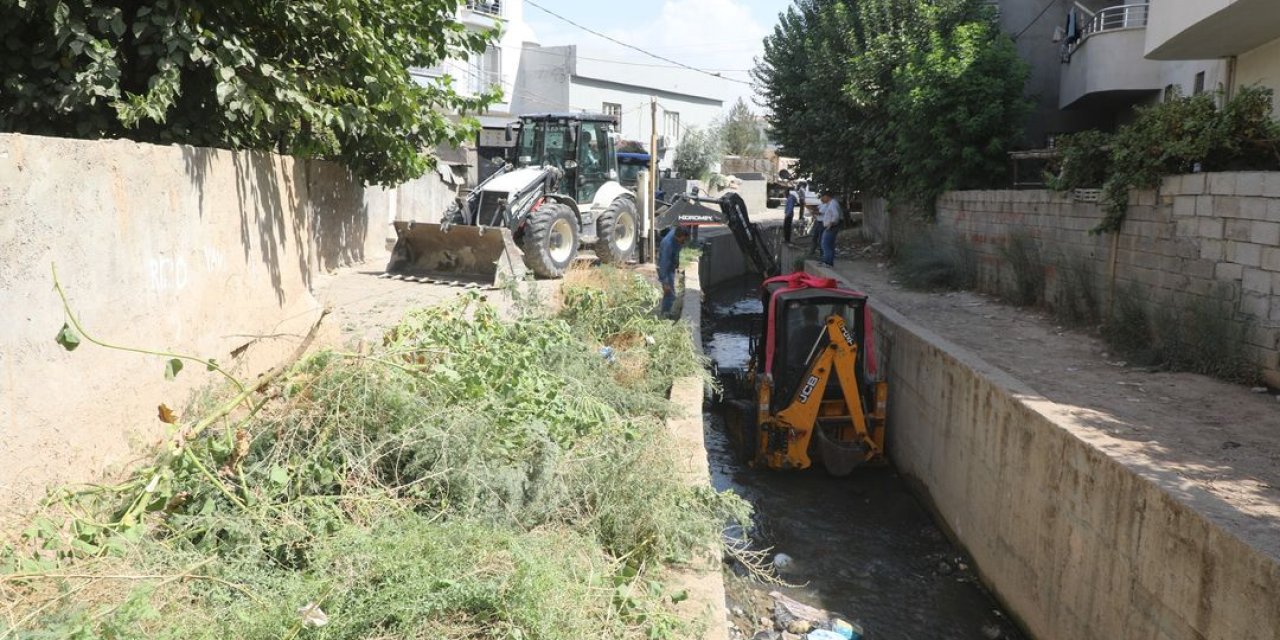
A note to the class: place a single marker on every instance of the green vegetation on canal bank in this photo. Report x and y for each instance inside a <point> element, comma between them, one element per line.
<point>472,477</point>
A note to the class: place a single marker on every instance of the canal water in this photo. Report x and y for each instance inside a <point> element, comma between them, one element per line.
<point>861,546</point>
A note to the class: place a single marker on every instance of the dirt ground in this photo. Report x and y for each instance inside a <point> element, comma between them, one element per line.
<point>364,306</point>
<point>1218,437</point>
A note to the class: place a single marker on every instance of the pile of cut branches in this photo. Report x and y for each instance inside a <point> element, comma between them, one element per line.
<point>470,478</point>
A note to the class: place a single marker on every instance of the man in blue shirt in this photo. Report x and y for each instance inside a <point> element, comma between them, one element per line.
<point>829,220</point>
<point>668,261</point>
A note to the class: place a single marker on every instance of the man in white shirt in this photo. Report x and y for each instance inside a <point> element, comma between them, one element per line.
<point>829,219</point>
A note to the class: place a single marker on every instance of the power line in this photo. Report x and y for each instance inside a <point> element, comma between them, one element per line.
<point>1037,19</point>
<point>632,64</point>
<point>633,47</point>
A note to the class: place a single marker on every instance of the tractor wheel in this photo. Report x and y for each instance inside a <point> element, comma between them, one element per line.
<point>618,232</point>
<point>550,240</point>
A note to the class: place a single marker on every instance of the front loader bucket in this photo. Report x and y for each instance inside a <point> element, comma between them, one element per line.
<point>456,253</point>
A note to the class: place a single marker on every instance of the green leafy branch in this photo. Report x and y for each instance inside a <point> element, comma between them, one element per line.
<point>69,338</point>
<point>147,483</point>
<point>1180,135</point>
<point>899,99</point>
<point>309,78</point>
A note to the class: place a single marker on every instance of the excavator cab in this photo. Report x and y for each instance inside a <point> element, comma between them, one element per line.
<point>810,390</point>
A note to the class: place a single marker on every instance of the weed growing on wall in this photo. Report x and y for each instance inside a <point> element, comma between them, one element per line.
<point>1021,253</point>
<point>1128,330</point>
<point>1204,335</point>
<point>1196,334</point>
<point>932,260</point>
<point>1076,293</point>
<point>469,478</point>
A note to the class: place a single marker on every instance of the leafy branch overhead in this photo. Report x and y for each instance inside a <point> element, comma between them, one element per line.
<point>899,98</point>
<point>304,77</point>
<point>1181,135</point>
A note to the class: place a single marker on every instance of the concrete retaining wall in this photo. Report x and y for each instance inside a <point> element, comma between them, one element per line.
<point>722,259</point>
<point>1199,237</point>
<point>702,579</point>
<point>1078,539</point>
<point>207,252</point>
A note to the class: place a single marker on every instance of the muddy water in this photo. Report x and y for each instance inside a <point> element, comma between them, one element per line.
<point>862,546</point>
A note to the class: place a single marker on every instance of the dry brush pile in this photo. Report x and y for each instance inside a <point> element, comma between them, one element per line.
<point>469,478</point>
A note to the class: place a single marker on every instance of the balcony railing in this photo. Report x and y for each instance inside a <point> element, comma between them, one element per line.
<point>1125,16</point>
<point>487,7</point>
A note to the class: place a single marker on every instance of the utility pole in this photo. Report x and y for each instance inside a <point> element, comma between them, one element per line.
<point>653,175</point>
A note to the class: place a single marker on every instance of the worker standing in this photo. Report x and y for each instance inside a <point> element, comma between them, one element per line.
<point>668,260</point>
<point>816,232</point>
<point>787,214</point>
<point>829,220</point>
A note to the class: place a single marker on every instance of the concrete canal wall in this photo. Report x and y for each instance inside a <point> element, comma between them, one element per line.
<point>721,258</point>
<point>701,579</point>
<point>1077,537</point>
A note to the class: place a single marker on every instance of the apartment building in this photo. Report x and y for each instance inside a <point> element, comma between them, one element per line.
<point>498,65</point>
<point>1243,34</point>
<point>496,68</point>
<point>1093,61</point>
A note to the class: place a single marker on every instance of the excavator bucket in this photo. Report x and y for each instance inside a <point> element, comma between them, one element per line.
<point>456,253</point>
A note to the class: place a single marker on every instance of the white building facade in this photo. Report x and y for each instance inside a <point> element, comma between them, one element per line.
<point>537,79</point>
<point>558,79</point>
<point>495,68</point>
<point>1243,34</point>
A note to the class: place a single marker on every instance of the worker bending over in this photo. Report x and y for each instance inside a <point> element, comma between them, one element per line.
<point>668,261</point>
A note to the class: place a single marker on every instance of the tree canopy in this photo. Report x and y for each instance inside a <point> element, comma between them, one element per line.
<point>741,133</point>
<point>312,78</point>
<point>901,98</point>
<point>697,153</point>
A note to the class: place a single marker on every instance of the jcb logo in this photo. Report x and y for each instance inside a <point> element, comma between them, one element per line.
<point>848,337</point>
<point>807,390</point>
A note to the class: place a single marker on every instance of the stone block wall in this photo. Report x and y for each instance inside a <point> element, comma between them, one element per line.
<point>1211,236</point>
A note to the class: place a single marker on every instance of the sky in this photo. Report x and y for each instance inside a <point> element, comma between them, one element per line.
<point>717,35</point>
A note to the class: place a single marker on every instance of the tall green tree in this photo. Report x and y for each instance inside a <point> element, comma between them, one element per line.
<point>741,133</point>
<point>697,152</point>
<point>312,78</point>
<point>902,98</point>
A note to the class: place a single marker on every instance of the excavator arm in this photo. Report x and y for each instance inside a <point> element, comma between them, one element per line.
<point>685,210</point>
<point>788,434</point>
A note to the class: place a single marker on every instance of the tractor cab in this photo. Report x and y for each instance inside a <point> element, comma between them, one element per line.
<point>580,145</point>
<point>630,164</point>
